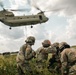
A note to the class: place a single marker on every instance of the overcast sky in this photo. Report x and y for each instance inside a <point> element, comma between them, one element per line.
<point>60,26</point>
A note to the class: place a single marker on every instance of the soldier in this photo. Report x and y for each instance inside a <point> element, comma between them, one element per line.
<point>54,62</point>
<point>42,54</point>
<point>24,56</point>
<point>68,59</point>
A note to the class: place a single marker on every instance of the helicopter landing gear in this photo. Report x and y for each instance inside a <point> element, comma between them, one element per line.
<point>31,26</point>
<point>10,28</point>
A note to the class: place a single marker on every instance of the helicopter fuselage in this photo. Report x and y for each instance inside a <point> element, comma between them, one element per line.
<point>14,21</point>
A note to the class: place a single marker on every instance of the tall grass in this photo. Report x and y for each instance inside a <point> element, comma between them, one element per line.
<point>8,66</point>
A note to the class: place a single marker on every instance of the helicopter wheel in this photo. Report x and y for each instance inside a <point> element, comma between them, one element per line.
<point>31,26</point>
<point>10,28</point>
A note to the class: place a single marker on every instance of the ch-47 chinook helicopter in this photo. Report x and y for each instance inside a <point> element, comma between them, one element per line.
<point>9,19</point>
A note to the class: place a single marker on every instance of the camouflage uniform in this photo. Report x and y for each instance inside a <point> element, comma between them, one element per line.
<point>54,62</point>
<point>68,60</point>
<point>24,56</point>
<point>42,54</point>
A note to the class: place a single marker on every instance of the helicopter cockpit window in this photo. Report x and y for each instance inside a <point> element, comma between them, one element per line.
<point>40,17</point>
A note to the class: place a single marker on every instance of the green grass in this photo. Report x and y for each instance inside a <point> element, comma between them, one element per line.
<point>8,66</point>
<point>74,47</point>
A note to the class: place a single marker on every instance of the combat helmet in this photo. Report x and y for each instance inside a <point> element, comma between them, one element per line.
<point>30,40</point>
<point>56,44</point>
<point>46,43</point>
<point>63,45</point>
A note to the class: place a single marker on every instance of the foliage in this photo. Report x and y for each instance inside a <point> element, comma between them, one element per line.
<point>8,66</point>
<point>73,47</point>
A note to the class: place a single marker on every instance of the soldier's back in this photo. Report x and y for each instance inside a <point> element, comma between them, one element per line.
<point>70,54</point>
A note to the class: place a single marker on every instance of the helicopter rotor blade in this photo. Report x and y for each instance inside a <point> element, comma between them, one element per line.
<point>55,9</point>
<point>19,9</point>
<point>1,4</point>
<point>40,9</point>
<point>37,7</point>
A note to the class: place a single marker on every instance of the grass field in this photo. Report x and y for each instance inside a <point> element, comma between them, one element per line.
<point>8,66</point>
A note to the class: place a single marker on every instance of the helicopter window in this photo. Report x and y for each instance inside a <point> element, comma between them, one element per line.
<point>8,15</point>
<point>40,17</point>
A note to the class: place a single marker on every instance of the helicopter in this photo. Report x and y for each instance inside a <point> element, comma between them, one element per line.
<point>9,19</point>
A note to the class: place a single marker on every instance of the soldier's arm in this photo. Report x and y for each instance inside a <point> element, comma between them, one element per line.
<point>28,54</point>
<point>20,56</point>
<point>38,51</point>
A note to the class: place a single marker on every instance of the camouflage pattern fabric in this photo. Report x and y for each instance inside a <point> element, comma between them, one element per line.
<point>24,56</point>
<point>68,60</point>
<point>42,57</point>
<point>54,61</point>
<point>42,53</point>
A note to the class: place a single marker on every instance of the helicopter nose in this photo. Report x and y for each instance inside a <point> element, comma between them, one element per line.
<point>47,19</point>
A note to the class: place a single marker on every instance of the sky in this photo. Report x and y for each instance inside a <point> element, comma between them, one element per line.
<point>60,27</point>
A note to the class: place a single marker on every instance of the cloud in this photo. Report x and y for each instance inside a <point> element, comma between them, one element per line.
<point>61,7</point>
<point>71,28</point>
<point>66,7</point>
<point>14,33</point>
<point>9,45</point>
<point>38,31</point>
<point>17,2</point>
<point>11,40</point>
<point>68,34</point>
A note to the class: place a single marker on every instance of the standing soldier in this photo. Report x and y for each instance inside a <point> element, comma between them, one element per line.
<point>68,59</point>
<point>25,54</point>
<point>42,54</point>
